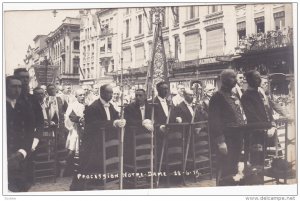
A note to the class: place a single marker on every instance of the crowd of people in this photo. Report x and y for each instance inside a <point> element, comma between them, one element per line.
<point>78,117</point>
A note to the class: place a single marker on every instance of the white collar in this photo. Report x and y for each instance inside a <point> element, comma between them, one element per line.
<point>161,99</point>
<point>13,101</point>
<point>103,101</point>
<point>188,104</point>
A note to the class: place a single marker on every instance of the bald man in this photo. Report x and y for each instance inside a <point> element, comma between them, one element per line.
<point>185,110</point>
<point>225,119</point>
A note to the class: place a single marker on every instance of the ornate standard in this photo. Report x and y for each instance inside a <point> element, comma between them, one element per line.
<point>157,70</point>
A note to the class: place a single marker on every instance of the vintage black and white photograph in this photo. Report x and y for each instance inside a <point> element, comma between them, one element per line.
<point>156,96</point>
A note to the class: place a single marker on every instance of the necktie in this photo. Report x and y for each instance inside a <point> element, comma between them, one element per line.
<point>142,112</point>
<point>106,108</point>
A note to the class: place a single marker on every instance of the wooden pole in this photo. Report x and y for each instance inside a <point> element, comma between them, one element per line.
<point>121,147</point>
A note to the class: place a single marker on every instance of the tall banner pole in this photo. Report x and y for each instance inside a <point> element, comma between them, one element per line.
<point>156,71</point>
<point>121,147</point>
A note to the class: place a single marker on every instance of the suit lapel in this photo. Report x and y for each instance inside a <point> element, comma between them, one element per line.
<point>186,111</point>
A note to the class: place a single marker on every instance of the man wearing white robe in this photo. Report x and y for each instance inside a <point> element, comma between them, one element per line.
<point>74,122</point>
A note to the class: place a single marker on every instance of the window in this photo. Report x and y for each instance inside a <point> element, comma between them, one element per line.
<point>175,11</point>
<point>84,52</point>
<point>214,9</point>
<point>260,24</point>
<point>215,42</point>
<point>109,44</point>
<point>127,11</point>
<point>167,48</point>
<point>164,20</point>
<point>241,30</point>
<point>102,46</point>
<point>140,24</point>
<point>93,52</point>
<point>92,71</point>
<point>127,28</point>
<point>192,46</point>
<point>279,20</point>
<point>150,50</point>
<point>151,21</point>
<point>112,66</point>
<point>192,12</point>
<point>76,65</point>
<point>176,47</point>
<point>126,57</point>
<point>88,73</point>
<point>76,45</point>
<point>88,51</point>
<point>139,56</point>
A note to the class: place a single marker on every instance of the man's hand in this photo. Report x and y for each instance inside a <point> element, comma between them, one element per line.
<point>223,148</point>
<point>178,120</point>
<point>14,161</point>
<point>120,123</point>
<point>147,123</point>
<point>163,128</point>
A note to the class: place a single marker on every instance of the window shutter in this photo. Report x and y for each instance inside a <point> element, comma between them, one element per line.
<point>139,56</point>
<point>192,46</point>
<point>214,42</point>
<point>126,57</point>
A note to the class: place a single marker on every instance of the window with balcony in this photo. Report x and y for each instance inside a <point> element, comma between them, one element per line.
<point>140,24</point>
<point>76,45</point>
<point>127,28</point>
<point>109,44</point>
<point>241,30</point>
<point>279,19</point>
<point>260,24</point>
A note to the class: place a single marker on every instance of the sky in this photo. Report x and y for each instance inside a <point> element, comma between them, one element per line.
<point>20,28</point>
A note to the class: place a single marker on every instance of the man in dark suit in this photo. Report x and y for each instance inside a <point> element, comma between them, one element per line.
<point>161,113</point>
<point>138,113</point>
<point>138,121</point>
<point>257,110</point>
<point>225,120</point>
<point>18,143</point>
<point>34,123</point>
<point>98,116</point>
<point>185,110</point>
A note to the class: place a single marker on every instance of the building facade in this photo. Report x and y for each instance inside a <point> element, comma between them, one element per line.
<point>100,45</point>
<point>196,40</point>
<point>64,50</point>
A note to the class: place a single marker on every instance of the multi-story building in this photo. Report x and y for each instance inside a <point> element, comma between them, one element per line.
<point>64,50</point>
<point>265,42</point>
<point>199,40</point>
<point>100,45</point>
